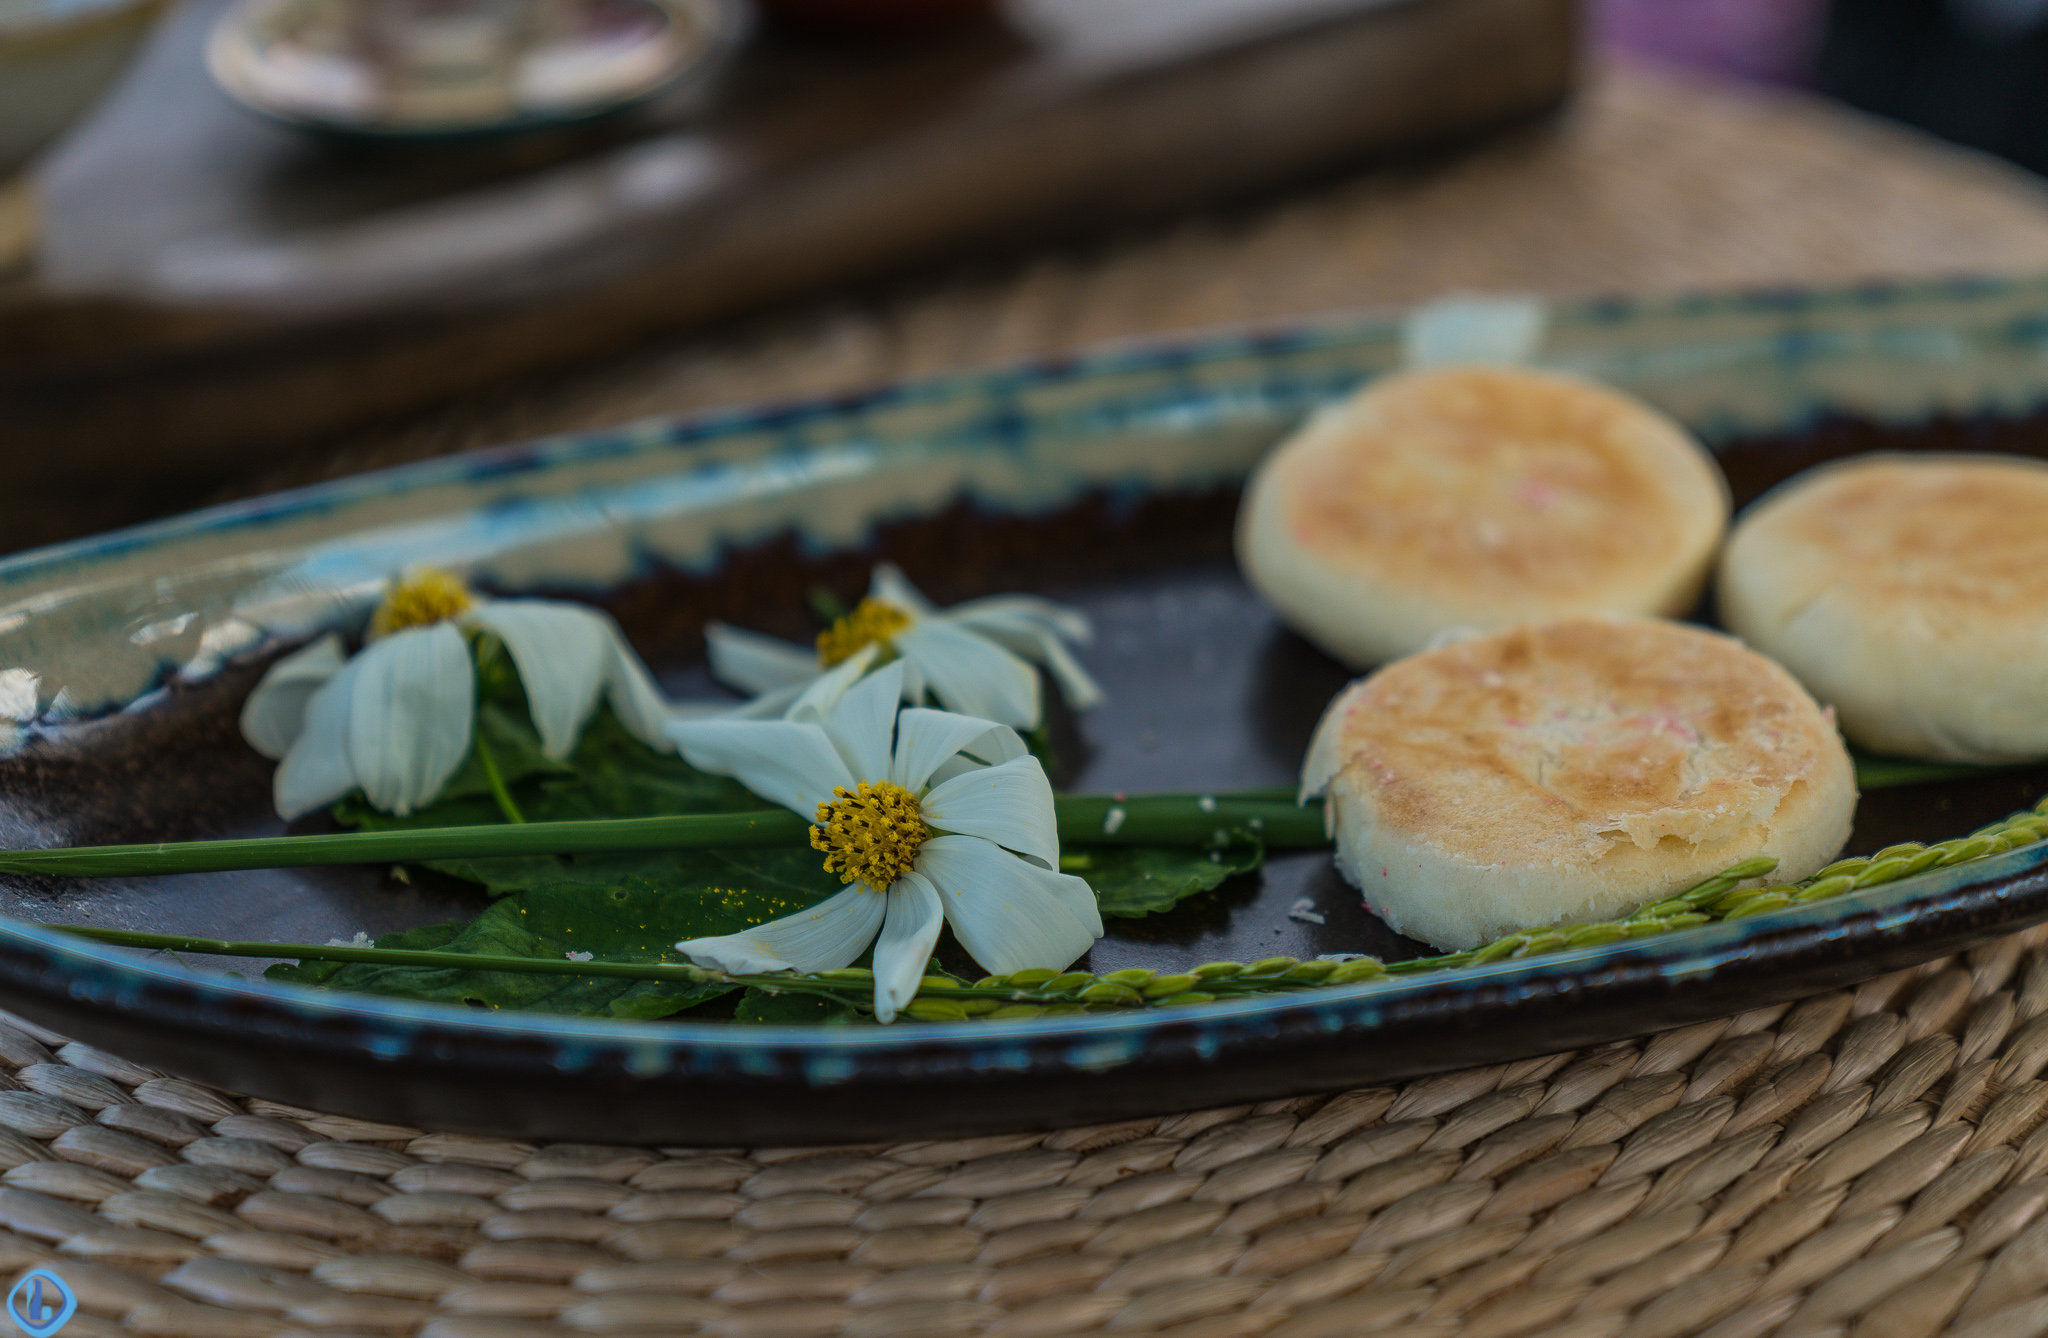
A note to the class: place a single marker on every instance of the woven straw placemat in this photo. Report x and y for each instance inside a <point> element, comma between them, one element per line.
<point>1868,1162</point>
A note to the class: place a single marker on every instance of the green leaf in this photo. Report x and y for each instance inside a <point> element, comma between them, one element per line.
<point>633,920</point>
<point>611,774</point>
<point>1134,881</point>
<point>787,1008</point>
<point>687,893</point>
<point>426,938</point>
<point>516,747</point>
<point>624,906</point>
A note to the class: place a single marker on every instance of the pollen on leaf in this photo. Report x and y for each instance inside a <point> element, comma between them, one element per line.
<point>423,595</point>
<point>871,620</point>
<point>872,834</point>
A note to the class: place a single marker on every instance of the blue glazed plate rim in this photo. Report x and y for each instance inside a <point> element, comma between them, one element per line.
<point>107,973</point>
<point>692,429</point>
<point>103,973</point>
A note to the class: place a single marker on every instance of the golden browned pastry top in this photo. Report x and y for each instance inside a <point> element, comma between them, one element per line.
<point>1957,537</point>
<point>1505,480</point>
<point>1551,743</point>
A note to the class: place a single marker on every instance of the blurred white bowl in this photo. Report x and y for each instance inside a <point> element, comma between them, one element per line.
<point>429,69</point>
<point>56,58</point>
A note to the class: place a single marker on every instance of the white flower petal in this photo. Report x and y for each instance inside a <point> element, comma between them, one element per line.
<point>639,704</point>
<point>275,713</point>
<point>908,934</point>
<point>823,937</point>
<point>770,705</point>
<point>927,739</point>
<point>705,710</point>
<point>786,762</point>
<point>960,764</point>
<point>1022,613</point>
<point>822,693</point>
<point>20,692</point>
<point>891,586</point>
<point>863,723</point>
<point>315,771</point>
<point>970,674</point>
<point>563,653</point>
<point>1076,898</point>
<point>913,684</point>
<point>755,663</point>
<point>1007,912</point>
<point>1010,805</point>
<point>1038,630</point>
<point>998,746</point>
<point>410,715</point>
<point>1077,687</point>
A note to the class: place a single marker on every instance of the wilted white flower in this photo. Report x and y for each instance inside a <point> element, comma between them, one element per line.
<point>931,817</point>
<point>397,718</point>
<point>19,690</point>
<point>975,658</point>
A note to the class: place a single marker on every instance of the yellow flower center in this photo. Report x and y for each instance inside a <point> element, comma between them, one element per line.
<point>871,620</point>
<point>423,595</point>
<point>872,835</point>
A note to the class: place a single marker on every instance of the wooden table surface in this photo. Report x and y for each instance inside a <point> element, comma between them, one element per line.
<point>213,288</point>
<point>1648,182</point>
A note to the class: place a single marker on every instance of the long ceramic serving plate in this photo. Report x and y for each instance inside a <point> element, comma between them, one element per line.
<point>1108,480</point>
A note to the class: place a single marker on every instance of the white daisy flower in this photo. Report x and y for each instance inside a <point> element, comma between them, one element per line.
<point>975,658</point>
<point>397,718</point>
<point>928,816</point>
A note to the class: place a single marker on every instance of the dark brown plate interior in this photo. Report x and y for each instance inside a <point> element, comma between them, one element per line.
<point>1207,690</point>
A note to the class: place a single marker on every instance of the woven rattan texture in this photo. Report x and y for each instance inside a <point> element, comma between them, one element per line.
<point>1869,1162</point>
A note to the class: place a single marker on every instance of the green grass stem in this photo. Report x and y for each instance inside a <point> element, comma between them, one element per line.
<point>1084,820</point>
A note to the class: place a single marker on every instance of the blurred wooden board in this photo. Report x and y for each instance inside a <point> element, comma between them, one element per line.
<point>214,287</point>
<point>1645,184</point>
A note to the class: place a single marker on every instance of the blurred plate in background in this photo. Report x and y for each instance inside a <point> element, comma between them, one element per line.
<point>436,68</point>
<point>56,58</point>
<point>214,288</point>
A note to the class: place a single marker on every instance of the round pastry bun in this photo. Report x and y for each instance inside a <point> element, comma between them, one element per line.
<point>1572,771</point>
<point>1477,497</point>
<point>1911,592</point>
